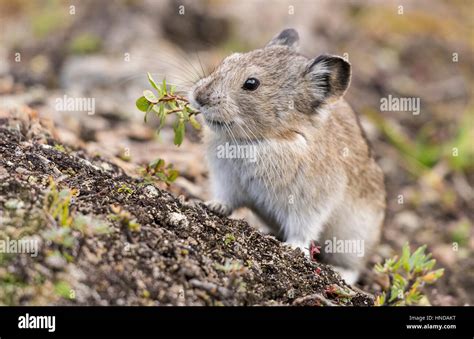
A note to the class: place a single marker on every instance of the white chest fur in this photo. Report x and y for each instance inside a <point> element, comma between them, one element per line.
<point>275,181</point>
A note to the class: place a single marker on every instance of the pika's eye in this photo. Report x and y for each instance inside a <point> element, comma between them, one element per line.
<point>251,84</point>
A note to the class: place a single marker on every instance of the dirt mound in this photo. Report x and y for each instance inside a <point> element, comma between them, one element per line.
<point>153,249</point>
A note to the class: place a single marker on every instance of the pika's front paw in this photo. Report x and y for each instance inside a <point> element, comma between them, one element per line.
<point>219,208</point>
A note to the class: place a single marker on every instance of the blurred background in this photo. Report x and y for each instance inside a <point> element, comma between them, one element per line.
<point>422,49</point>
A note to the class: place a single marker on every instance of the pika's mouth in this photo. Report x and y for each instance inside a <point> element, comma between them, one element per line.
<point>217,123</point>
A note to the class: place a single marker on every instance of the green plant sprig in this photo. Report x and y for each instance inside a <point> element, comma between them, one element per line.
<point>166,103</point>
<point>65,222</point>
<point>407,275</point>
<point>157,169</point>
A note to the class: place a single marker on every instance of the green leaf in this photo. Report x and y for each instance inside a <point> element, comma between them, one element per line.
<point>157,165</point>
<point>150,107</point>
<point>431,277</point>
<point>172,105</point>
<point>405,259</point>
<point>379,268</point>
<point>150,96</point>
<point>179,130</point>
<point>162,176</point>
<point>394,294</point>
<point>173,175</point>
<point>413,297</point>
<point>63,289</point>
<point>380,300</point>
<point>160,164</point>
<point>429,264</point>
<point>142,104</point>
<point>152,82</point>
<point>194,122</point>
<point>417,258</point>
<point>185,113</point>
<point>164,88</point>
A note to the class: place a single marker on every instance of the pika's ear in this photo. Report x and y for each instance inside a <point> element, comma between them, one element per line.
<point>329,75</point>
<point>288,37</point>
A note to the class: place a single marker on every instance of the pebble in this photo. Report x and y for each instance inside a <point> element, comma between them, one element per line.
<point>150,191</point>
<point>3,173</point>
<point>106,167</point>
<point>21,170</point>
<point>178,219</point>
<point>14,204</point>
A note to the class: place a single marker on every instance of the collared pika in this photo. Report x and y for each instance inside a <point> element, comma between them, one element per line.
<point>307,170</point>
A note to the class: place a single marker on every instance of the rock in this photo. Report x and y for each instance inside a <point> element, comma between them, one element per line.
<point>106,166</point>
<point>150,191</point>
<point>177,219</point>
<point>3,173</point>
<point>14,204</point>
<point>21,170</point>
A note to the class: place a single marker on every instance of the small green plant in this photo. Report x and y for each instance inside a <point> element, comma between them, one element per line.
<point>407,276</point>
<point>342,293</point>
<point>166,102</point>
<point>230,266</point>
<point>229,238</point>
<point>461,233</point>
<point>85,43</point>
<point>424,152</point>
<point>61,236</point>
<point>124,218</point>
<point>10,288</point>
<point>59,148</point>
<point>57,207</point>
<point>157,169</point>
<point>88,225</point>
<point>63,289</point>
<point>57,202</point>
<point>124,188</point>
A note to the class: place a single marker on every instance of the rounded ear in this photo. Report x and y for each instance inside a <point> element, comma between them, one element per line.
<point>288,37</point>
<point>330,76</point>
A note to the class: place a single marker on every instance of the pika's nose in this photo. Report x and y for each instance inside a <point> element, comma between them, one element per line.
<point>201,98</point>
